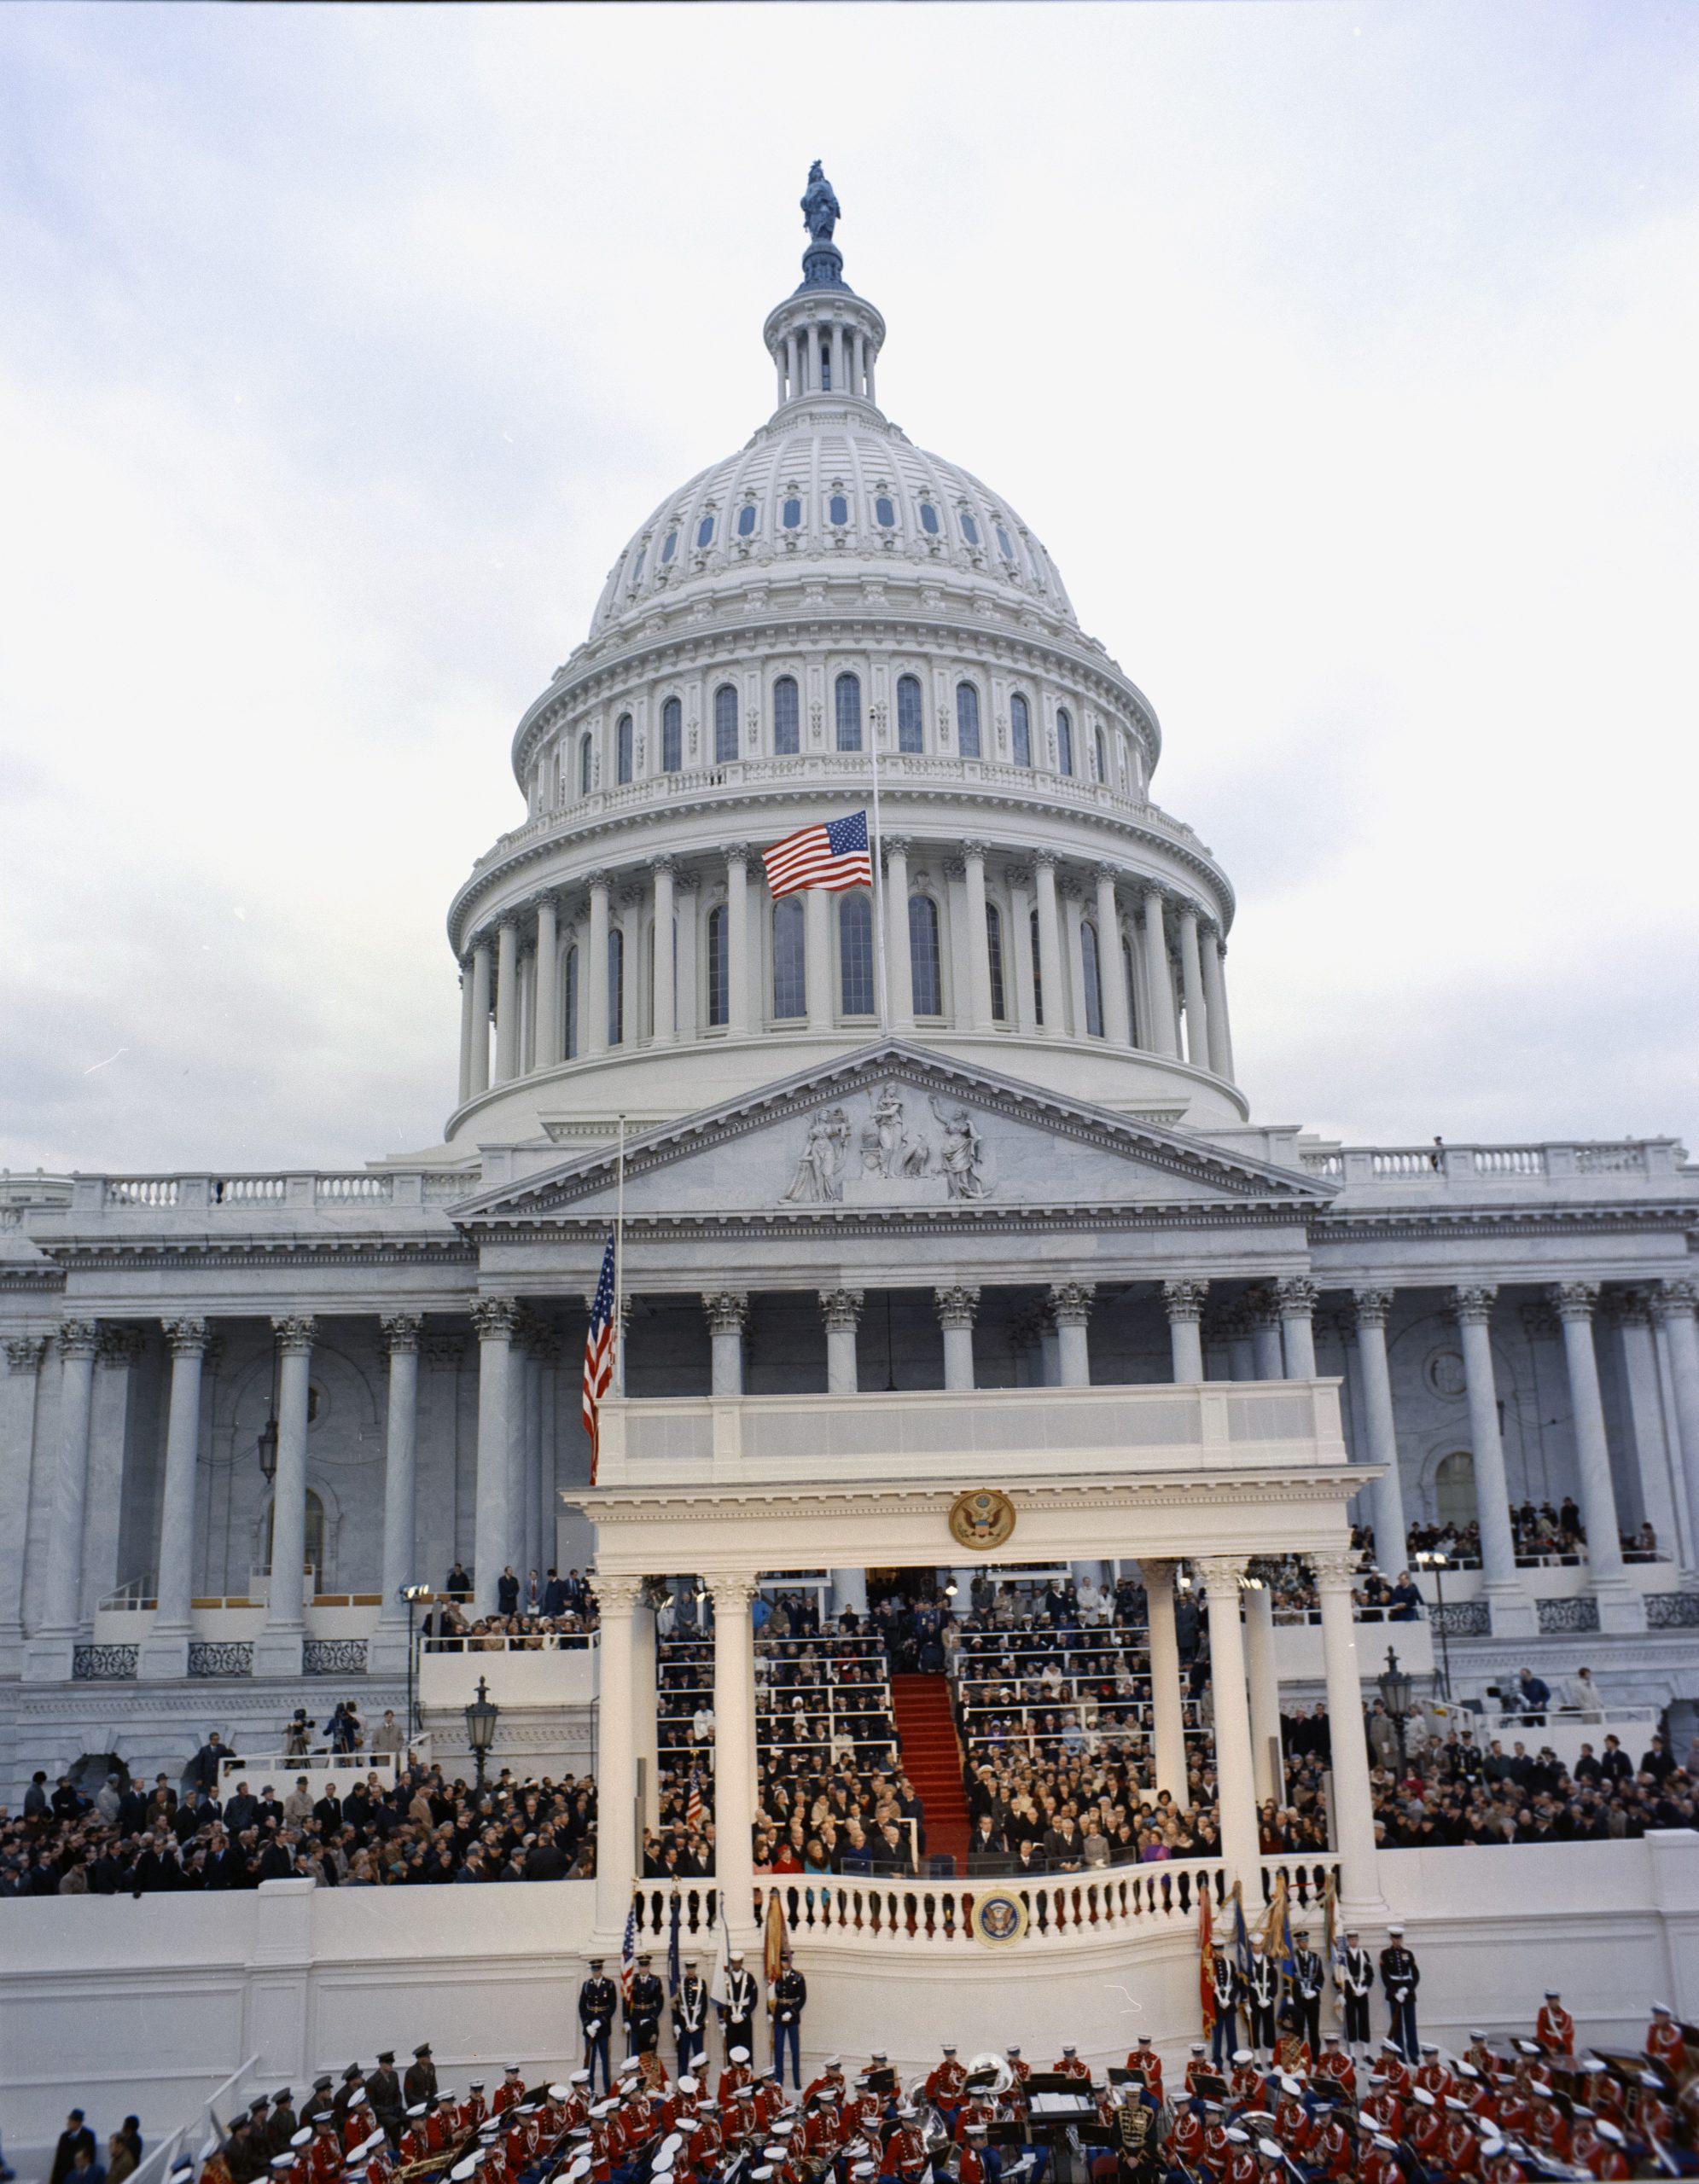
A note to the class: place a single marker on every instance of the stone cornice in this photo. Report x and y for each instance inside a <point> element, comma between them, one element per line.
<point>1311,1485</point>
<point>77,1254</point>
<point>1341,1225</point>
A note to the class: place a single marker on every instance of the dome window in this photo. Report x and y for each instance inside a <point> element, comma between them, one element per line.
<point>787,731</point>
<point>911,735</point>
<point>837,509</point>
<point>925,964</point>
<point>884,513</point>
<point>724,724</point>
<point>793,515</point>
<point>1003,544</point>
<point>746,520</point>
<point>1064,741</point>
<point>1020,730</point>
<point>672,737</point>
<point>966,720</point>
<point>847,697</point>
<point>622,749</point>
<point>970,530</point>
<point>928,518</point>
<point>637,565</point>
<point>704,532</point>
<point>669,547</point>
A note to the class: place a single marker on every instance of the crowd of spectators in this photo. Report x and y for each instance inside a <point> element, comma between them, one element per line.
<point>532,1614</point>
<point>1539,1532</point>
<point>1459,1788</point>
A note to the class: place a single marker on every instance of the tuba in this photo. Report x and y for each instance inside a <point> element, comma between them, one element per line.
<point>1002,2078</point>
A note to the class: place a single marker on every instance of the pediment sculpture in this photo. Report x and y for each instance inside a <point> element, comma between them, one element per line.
<point>881,1154</point>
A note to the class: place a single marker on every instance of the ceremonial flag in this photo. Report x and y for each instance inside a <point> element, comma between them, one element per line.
<point>598,1352</point>
<point>1276,1928</point>
<point>722,1953</point>
<point>628,1953</point>
<point>774,1940</point>
<point>693,1803</point>
<point>674,1969</point>
<point>1242,1940</point>
<point>832,856</point>
<point>1205,1958</point>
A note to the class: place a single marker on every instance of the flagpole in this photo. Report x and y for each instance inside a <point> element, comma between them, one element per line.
<point>619,1268</point>
<point>878,897</point>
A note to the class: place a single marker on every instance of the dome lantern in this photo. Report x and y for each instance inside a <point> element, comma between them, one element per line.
<point>825,339</point>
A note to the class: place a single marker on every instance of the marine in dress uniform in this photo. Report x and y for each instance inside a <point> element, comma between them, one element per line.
<point>945,2087</point>
<point>1071,2066</point>
<point>1355,1979</point>
<point>1262,1998</point>
<point>643,2013</point>
<point>1554,2028</point>
<point>690,2017</point>
<point>1225,1995</point>
<point>1400,1976</point>
<point>1305,1991</point>
<point>597,2000</point>
<point>790,1992</point>
<point>737,2011</point>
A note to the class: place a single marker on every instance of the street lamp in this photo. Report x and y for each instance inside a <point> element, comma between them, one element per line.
<point>1397,1696</point>
<point>413,1595</point>
<point>1436,1559</point>
<point>268,1450</point>
<point>482,1714</point>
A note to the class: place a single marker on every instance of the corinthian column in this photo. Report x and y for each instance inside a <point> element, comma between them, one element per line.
<point>733,1752</point>
<point>48,1656</point>
<point>1215,997</point>
<point>842,1311</point>
<point>1359,1886</point>
<point>494,1319</point>
<point>1295,1297</point>
<point>401,1333</point>
<point>979,957</point>
<point>164,1650</point>
<point>1386,1494</point>
<point>1620,1605</point>
<point>1071,1302</point>
<point>665,1002</point>
<point>1184,1302</point>
<point>506,1002</point>
<point>616,1774</point>
<point>899,970</point>
<point>18,1392</point>
<point>1168,1719</point>
<point>595,986</point>
<point>1165,1036</point>
<point>1671,1304</point>
<point>478,1072</point>
<point>277,1652</point>
<point>727,1310</point>
<point>1191,983</point>
<point>740,971</point>
<point>1235,1777</point>
<point>1049,947</point>
<point>957,1308</point>
<point>1512,1610</point>
<point>548,1042</point>
<point>1111,968</point>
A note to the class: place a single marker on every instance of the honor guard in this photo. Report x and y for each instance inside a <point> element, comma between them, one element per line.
<point>1400,1976</point>
<point>738,2011</point>
<point>1225,1995</point>
<point>790,1992</point>
<point>1308,1973</point>
<point>1262,1998</point>
<point>421,2081</point>
<point>384,2085</point>
<point>597,2000</point>
<point>1355,1980</point>
<point>643,2011</point>
<point>690,2016</point>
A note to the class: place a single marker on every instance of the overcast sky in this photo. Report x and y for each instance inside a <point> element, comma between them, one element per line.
<point>1343,357</point>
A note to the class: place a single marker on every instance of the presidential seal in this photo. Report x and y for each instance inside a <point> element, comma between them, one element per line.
<point>998,1919</point>
<point>983,1518</point>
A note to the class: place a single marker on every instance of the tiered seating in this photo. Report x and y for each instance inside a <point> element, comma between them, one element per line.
<point>822,1703</point>
<point>1049,1693</point>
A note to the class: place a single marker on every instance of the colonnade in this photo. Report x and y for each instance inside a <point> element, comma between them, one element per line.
<point>628,1704</point>
<point>1264,1332</point>
<point>638,957</point>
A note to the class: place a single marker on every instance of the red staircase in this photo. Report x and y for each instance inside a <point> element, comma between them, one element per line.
<point>932,1760</point>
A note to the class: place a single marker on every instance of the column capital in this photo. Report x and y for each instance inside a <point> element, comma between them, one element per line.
<point>1473,1303</point>
<point>958,1306</point>
<point>1185,908</point>
<point>1574,1301</point>
<point>1262,1306</point>
<point>1672,1298</point>
<point>1158,1572</point>
<point>1296,1295</point>
<point>599,879</point>
<point>737,852</point>
<point>295,1333</point>
<point>1045,860</point>
<point>1220,1573</point>
<point>955,868</point>
<point>120,1343</point>
<point>1185,1299</point>
<point>1019,878</point>
<point>1071,1302</point>
<point>972,849</point>
<point>731,1590</point>
<point>401,1333</point>
<point>617,1595</point>
<point>842,1309</point>
<point>727,1310</point>
<point>24,1353</point>
<point>897,846</point>
<point>1334,1571</point>
<point>186,1338</point>
<point>1629,1308</point>
<point>665,861</point>
<point>495,1318</point>
<point>1373,1307</point>
<point>447,1351</point>
<point>79,1338</point>
<point>685,882</point>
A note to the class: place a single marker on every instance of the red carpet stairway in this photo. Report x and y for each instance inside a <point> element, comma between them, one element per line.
<point>932,1760</point>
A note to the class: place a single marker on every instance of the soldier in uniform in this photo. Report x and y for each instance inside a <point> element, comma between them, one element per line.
<point>1307,1974</point>
<point>738,2011</point>
<point>643,2011</point>
<point>790,1992</point>
<point>1225,1997</point>
<point>1355,1980</point>
<point>421,2081</point>
<point>318,2099</point>
<point>384,2085</point>
<point>690,2016</point>
<point>1262,1998</point>
<point>1400,1976</point>
<point>945,2087</point>
<point>597,2000</point>
<point>1554,2029</point>
<point>283,2124</point>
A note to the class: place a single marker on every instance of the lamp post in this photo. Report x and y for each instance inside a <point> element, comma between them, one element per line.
<point>1436,1559</point>
<point>482,1714</point>
<point>413,1595</point>
<point>1397,1689</point>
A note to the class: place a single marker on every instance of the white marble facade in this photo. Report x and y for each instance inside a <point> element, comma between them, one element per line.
<point>1071,1187</point>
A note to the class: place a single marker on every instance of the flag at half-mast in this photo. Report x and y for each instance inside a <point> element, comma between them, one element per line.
<point>598,1354</point>
<point>832,856</point>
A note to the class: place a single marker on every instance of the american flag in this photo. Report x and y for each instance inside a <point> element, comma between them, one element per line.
<point>598,1353</point>
<point>832,856</point>
<point>628,1953</point>
<point>693,1803</point>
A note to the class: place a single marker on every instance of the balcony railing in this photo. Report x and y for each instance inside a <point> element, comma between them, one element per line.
<point>1440,1166</point>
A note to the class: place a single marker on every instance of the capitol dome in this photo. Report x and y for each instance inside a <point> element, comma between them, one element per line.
<point>827,597</point>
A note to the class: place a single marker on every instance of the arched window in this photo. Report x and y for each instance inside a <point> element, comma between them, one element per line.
<point>669,546</point>
<point>928,518</point>
<point>790,964</point>
<point>910,733</point>
<point>746,520</point>
<point>616,986</point>
<point>999,1007</point>
<point>1132,1023</point>
<point>837,508</point>
<point>1454,1500</point>
<point>791,514</point>
<point>787,717</point>
<point>826,371</point>
<point>1101,750</point>
<point>1003,544</point>
<point>724,724</point>
<point>855,956</point>
<point>970,530</point>
<point>570,1003</point>
<point>672,737</point>
<point>704,532</point>
<point>848,698</point>
<point>924,970</point>
<point>1091,978</point>
<point>1064,741</point>
<point>1020,730</point>
<point>720,986</point>
<point>586,765</point>
<point>884,512</point>
<point>1038,969</point>
<point>622,749</point>
<point>966,720</point>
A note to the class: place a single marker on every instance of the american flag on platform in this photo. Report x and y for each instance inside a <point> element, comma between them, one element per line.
<point>598,1353</point>
<point>832,856</point>
<point>693,1803</point>
<point>628,1953</point>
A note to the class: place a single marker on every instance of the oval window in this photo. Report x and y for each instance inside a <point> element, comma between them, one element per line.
<point>1008,551</point>
<point>928,518</point>
<point>637,565</point>
<point>883,512</point>
<point>746,520</point>
<point>837,508</point>
<point>705,531</point>
<point>970,530</point>
<point>668,545</point>
<point>792,515</point>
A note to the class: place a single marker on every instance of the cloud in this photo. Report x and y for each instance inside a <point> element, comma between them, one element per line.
<point>1340,356</point>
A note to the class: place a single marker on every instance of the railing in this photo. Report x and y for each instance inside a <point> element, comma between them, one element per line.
<point>133,1598</point>
<point>375,1190</point>
<point>156,2165</point>
<point>1444,1165</point>
<point>302,1191</point>
<point>249,1190</point>
<point>324,1769</point>
<point>535,1641</point>
<point>1109,1901</point>
<point>141,1190</point>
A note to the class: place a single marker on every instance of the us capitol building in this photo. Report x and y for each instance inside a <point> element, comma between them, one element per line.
<point>1024,1231</point>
